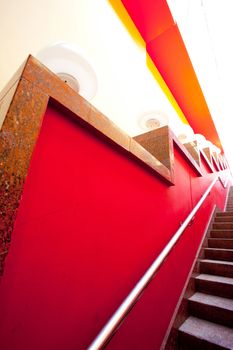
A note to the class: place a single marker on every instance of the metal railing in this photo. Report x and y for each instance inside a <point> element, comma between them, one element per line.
<point>113,324</point>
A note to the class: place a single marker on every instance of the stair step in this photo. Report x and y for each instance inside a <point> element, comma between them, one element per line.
<point>220,243</point>
<point>223,218</point>
<point>219,254</point>
<point>212,308</point>
<point>225,213</point>
<point>216,285</point>
<point>199,334</point>
<point>216,267</point>
<point>221,233</point>
<point>223,225</point>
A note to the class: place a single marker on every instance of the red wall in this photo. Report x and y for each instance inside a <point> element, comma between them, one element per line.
<point>90,223</point>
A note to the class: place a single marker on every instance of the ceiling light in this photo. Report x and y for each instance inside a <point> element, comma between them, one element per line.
<point>71,65</point>
<point>153,120</point>
<point>186,134</point>
<point>201,140</point>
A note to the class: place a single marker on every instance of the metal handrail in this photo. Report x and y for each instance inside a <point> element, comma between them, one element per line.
<point>112,325</point>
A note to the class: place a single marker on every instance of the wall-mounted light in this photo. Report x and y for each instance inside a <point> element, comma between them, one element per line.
<point>186,134</point>
<point>153,120</point>
<point>216,149</point>
<point>201,140</point>
<point>71,64</point>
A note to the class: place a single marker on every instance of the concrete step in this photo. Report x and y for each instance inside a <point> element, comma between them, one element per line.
<point>223,225</point>
<point>212,308</point>
<point>218,254</point>
<point>225,213</point>
<point>225,243</point>
<point>221,234</point>
<point>198,334</point>
<point>216,267</point>
<point>223,218</point>
<point>215,285</point>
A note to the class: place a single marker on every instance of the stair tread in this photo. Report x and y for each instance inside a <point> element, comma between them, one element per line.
<point>221,239</point>
<point>220,262</point>
<point>208,331</point>
<point>221,249</point>
<point>222,215</point>
<point>220,230</point>
<point>215,278</point>
<point>223,223</point>
<point>212,300</point>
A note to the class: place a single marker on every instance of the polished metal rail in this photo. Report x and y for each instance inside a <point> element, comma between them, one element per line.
<point>110,328</point>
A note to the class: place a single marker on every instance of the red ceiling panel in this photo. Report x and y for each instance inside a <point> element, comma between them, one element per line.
<point>151,17</point>
<point>170,56</point>
<point>168,52</point>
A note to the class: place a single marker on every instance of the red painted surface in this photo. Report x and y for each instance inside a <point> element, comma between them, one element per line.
<point>167,50</point>
<point>151,17</point>
<point>90,223</point>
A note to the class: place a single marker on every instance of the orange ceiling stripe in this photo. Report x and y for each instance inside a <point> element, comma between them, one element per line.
<point>168,52</point>
<point>151,17</point>
<point>170,56</point>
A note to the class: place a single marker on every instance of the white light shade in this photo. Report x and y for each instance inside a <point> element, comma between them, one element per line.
<point>70,63</point>
<point>216,149</point>
<point>186,134</point>
<point>201,140</point>
<point>153,120</point>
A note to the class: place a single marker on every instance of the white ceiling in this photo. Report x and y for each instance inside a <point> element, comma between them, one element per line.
<point>207,28</point>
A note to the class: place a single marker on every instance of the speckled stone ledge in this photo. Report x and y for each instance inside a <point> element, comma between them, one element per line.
<point>18,136</point>
<point>194,151</point>
<point>207,160</point>
<point>161,142</point>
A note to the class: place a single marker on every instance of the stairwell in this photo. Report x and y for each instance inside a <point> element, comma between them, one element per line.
<point>210,321</point>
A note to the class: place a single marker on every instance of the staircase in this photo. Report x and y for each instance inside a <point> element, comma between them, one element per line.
<point>210,324</point>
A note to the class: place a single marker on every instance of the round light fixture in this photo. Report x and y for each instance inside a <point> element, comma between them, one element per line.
<point>201,140</point>
<point>216,149</point>
<point>71,65</point>
<point>187,134</point>
<point>153,120</point>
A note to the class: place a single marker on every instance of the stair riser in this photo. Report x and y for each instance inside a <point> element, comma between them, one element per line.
<point>223,226</point>
<point>228,213</point>
<point>223,219</point>
<point>221,234</point>
<point>219,255</point>
<point>215,288</point>
<point>189,342</point>
<point>216,269</point>
<point>220,243</point>
<point>211,313</point>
